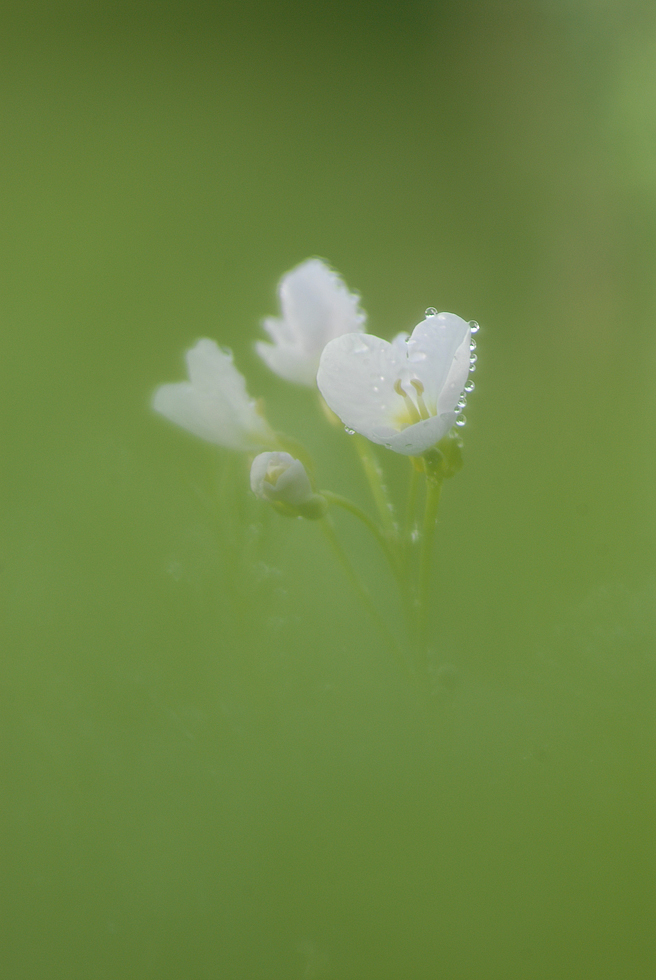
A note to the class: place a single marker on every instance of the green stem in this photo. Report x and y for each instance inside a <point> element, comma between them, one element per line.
<point>374,477</point>
<point>433,491</point>
<point>362,591</point>
<point>410,515</point>
<point>394,559</point>
<point>383,541</point>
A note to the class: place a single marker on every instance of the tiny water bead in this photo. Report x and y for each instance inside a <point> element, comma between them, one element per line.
<point>473,358</point>
<point>461,404</point>
<point>469,387</point>
<point>474,326</point>
<point>431,311</point>
<point>461,420</point>
<point>349,432</point>
<point>472,344</point>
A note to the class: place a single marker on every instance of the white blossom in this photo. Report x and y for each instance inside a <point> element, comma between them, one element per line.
<point>214,403</point>
<point>316,307</point>
<point>402,395</point>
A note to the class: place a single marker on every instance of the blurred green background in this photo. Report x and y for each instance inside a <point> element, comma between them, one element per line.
<point>210,766</point>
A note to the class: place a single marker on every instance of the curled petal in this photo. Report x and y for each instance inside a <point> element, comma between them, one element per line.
<point>316,307</point>
<point>214,403</point>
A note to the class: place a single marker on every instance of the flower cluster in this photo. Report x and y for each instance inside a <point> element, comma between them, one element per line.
<point>404,395</point>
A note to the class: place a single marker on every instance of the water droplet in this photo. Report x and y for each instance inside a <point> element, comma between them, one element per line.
<point>469,387</point>
<point>473,359</point>
<point>461,420</point>
<point>472,368</point>
<point>461,404</point>
<point>349,432</point>
<point>431,311</point>
<point>472,344</point>
<point>473,326</point>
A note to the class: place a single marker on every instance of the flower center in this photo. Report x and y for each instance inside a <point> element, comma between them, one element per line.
<point>274,471</point>
<point>414,407</point>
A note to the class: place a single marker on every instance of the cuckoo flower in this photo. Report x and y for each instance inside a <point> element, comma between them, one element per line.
<point>402,395</point>
<point>316,308</point>
<point>282,481</point>
<point>214,403</point>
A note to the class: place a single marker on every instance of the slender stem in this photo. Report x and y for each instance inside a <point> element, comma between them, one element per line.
<point>399,572</point>
<point>374,477</point>
<point>346,504</point>
<point>362,591</point>
<point>433,491</point>
<point>410,515</point>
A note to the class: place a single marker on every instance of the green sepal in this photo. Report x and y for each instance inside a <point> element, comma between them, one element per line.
<point>312,509</point>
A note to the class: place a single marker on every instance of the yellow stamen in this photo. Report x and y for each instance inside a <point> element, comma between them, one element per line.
<point>419,388</point>
<point>410,406</point>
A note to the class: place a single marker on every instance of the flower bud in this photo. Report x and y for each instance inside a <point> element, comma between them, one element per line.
<point>283,482</point>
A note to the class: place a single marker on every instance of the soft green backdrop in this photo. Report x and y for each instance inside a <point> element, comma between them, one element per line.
<point>210,767</point>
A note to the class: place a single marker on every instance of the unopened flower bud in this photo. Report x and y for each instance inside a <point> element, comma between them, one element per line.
<point>283,482</point>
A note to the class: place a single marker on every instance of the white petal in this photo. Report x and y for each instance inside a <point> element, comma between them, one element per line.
<point>288,362</point>
<point>417,438</point>
<point>432,348</point>
<point>214,404</point>
<point>316,307</point>
<point>456,378</point>
<point>356,377</point>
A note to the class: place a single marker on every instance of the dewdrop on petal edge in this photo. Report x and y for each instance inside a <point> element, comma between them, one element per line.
<point>214,403</point>
<point>282,481</point>
<point>402,395</point>
<point>316,307</point>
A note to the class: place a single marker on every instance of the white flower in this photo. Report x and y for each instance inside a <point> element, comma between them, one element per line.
<point>402,395</point>
<point>214,403</point>
<point>316,308</point>
<point>282,481</point>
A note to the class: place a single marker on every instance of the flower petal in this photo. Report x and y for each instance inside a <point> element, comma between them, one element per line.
<point>456,378</point>
<point>356,377</point>
<point>316,307</point>
<point>214,404</point>
<point>432,348</point>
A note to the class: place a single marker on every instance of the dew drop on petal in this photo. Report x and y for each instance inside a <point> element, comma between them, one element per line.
<point>461,420</point>
<point>461,404</point>
<point>349,432</point>
<point>469,387</point>
<point>431,311</point>
<point>472,367</point>
<point>473,326</point>
<point>473,359</point>
<point>472,344</point>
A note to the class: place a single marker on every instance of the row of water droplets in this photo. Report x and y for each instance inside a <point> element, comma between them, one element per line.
<point>469,387</point>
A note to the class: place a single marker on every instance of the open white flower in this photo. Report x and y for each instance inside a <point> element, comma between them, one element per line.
<point>282,481</point>
<point>214,403</point>
<point>316,308</point>
<point>402,395</point>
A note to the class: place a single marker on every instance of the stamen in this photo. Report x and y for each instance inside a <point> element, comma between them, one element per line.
<point>410,406</point>
<point>419,388</point>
